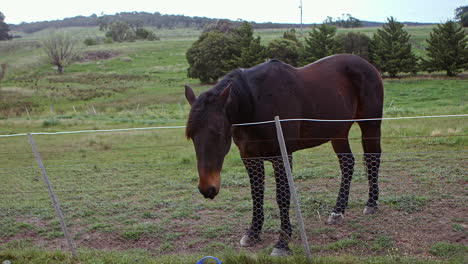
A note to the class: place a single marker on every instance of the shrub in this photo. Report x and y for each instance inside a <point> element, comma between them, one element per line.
<point>90,42</point>
<point>51,122</point>
<point>145,34</point>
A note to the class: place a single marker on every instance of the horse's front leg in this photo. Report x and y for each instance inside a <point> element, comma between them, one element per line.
<point>256,170</point>
<point>283,198</point>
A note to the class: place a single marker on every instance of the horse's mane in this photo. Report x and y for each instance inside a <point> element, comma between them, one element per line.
<point>240,99</point>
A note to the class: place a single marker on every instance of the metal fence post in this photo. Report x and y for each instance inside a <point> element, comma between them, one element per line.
<point>58,211</point>
<point>292,187</point>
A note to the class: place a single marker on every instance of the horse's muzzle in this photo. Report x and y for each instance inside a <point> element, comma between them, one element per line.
<point>209,192</point>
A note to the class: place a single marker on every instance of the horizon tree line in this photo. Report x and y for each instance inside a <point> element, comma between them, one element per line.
<point>225,45</point>
<point>218,49</point>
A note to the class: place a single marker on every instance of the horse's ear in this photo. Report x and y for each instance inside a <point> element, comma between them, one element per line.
<point>189,94</point>
<point>225,93</point>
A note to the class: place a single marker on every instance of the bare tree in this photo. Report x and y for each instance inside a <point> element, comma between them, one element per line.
<point>61,49</point>
<point>3,67</point>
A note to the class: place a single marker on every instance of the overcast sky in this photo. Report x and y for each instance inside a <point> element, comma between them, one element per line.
<point>280,11</point>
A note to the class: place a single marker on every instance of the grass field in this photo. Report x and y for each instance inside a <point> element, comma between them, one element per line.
<point>131,196</point>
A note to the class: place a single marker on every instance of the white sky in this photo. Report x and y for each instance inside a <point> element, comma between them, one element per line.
<point>281,11</point>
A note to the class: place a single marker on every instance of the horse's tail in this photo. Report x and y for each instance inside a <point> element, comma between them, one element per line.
<point>369,88</point>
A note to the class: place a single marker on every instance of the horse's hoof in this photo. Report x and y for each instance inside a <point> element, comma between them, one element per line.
<point>248,241</point>
<point>280,252</point>
<point>369,210</point>
<point>335,219</point>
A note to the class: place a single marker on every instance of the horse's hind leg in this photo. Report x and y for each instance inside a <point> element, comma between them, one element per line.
<point>372,152</point>
<point>256,170</point>
<point>346,160</point>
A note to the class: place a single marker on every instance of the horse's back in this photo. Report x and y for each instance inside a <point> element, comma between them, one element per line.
<point>348,77</point>
<point>337,87</point>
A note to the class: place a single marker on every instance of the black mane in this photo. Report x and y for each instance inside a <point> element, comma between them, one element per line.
<point>239,106</point>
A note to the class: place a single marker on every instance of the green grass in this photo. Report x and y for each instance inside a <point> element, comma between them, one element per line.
<point>446,249</point>
<point>407,203</point>
<point>382,242</point>
<point>22,254</point>
<point>122,88</point>
<point>139,187</point>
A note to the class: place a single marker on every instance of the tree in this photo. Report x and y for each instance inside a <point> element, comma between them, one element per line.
<point>391,50</point>
<point>221,48</point>
<point>222,25</point>
<point>285,50</point>
<point>252,55</point>
<point>320,43</point>
<point>355,43</point>
<point>3,68</point>
<point>461,14</point>
<point>127,31</point>
<point>120,31</point>
<point>61,49</point>
<point>248,50</point>
<point>4,28</point>
<point>209,57</point>
<point>447,49</point>
<point>345,21</point>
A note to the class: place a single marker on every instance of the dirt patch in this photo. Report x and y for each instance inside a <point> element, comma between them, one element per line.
<point>97,55</point>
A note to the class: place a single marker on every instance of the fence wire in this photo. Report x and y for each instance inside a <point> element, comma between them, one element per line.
<point>155,205</point>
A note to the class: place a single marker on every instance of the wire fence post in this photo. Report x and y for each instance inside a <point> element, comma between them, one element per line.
<point>292,187</point>
<point>58,211</point>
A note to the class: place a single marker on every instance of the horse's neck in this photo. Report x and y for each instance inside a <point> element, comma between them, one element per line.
<point>240,108</point>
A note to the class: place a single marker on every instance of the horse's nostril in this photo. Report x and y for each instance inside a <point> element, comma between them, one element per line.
<point>210,192</point>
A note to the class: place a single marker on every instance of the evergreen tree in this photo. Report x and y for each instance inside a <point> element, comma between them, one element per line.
<point>249,51</point>
<point>4,28</point>
<point>447,49</point>
<point>320,43</point>
<point>252,55</point>
<point>391,50</point>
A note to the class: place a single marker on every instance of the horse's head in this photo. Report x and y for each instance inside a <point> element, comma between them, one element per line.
<point>210,131</point>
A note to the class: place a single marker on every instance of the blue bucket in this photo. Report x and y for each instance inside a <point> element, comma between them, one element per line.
<point>209,257</point>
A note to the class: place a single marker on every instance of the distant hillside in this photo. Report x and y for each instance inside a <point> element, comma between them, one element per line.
<point>153,20</point>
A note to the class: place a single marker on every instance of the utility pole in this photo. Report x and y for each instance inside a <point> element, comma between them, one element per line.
<point>300,7</point>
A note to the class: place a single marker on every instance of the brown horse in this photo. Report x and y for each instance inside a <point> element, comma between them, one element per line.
<point>340,87</point>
